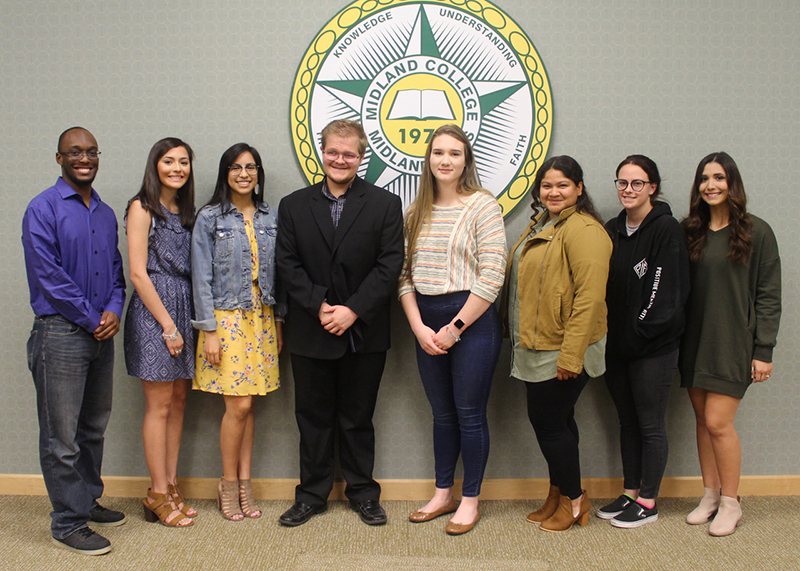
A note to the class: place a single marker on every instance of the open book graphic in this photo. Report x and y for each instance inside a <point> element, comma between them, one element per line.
<point>421,104</point>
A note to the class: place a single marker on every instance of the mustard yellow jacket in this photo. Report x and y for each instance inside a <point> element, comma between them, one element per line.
<point>562,278</point>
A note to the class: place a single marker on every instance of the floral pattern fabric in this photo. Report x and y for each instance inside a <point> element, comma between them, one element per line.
<point>249,361</point>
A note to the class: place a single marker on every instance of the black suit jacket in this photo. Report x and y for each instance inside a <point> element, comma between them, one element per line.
<point>357,265</point>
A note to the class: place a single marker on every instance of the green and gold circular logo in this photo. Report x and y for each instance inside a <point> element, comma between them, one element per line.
<point>403,68</point>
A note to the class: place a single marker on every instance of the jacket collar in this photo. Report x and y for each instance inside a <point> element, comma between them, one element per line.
<point>563,215</point>
<point>355,186</point>
<point>320,209</point>
<point>262,206</point>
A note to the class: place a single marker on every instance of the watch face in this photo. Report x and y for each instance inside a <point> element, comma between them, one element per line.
<point>458,323</point>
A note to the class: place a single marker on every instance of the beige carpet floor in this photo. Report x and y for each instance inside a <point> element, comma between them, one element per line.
<point>768,539</point>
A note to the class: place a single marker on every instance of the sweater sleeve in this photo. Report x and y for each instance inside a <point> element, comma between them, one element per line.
<point>588,252</point>
<point>767,298</point>
<point>490,237</point>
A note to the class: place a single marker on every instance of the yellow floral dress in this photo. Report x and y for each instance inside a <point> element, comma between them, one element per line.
<point>249,361</point>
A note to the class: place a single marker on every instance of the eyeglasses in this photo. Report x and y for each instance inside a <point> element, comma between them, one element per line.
<point>92,154</point>
<point>250,168</point>
<point>346,157</point>
<point>637,185</point>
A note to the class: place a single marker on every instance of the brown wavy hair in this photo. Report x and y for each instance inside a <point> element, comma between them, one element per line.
<point>696,223</point>
<point>419,213</point>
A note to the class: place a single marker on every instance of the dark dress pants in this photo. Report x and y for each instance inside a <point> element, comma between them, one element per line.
<point>337,395</point>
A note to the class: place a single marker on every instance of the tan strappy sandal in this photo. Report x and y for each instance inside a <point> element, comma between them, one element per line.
<point>246,500</point>
<point>177,497</point>
<point>228,500</point>
<point>161,508</point>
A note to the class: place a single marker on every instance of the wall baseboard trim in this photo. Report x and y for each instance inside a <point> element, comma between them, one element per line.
<point>419,490</point>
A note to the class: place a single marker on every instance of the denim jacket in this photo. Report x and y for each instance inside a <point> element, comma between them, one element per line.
<point>221,271</point>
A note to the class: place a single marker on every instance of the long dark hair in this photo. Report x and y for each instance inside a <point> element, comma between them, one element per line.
<point>222,191</point>
<point>573,171</point>
<point>648,165</point>
<point>696,223</point>
<point>149,194</point>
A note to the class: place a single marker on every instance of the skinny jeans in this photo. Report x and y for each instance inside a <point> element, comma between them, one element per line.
<point>640,390</point>
<point>551,410</point>
<point>457,386</point>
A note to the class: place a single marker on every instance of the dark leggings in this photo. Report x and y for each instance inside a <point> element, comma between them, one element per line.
<point>551,410</point>
<point>640,390</point>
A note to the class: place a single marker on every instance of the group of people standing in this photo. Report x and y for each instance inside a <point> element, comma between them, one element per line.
<point>635,300</point>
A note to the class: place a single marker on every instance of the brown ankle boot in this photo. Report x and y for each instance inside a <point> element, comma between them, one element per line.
<point>563,519</point>
<point>548,509</point>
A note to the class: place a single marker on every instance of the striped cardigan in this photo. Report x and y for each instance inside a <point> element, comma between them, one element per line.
<point>461,248</point>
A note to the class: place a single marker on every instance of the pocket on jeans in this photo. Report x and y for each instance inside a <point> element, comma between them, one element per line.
<point>62,327</point>
<point>31,346</point>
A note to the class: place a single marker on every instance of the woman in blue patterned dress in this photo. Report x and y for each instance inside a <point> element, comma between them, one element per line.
<point>159,339</point>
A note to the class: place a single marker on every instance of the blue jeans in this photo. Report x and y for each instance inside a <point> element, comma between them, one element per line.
<point>457,385</point>
<point>73,374</point>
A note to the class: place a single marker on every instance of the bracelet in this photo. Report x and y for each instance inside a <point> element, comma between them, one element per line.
<point>172,337</point>
<point>456,337</point>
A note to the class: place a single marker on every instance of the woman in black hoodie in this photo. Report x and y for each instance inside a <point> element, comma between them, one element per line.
<point>648,285</point>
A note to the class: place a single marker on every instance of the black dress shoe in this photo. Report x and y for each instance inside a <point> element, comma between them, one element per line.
<point>299,514</point>
<point>370,511</point>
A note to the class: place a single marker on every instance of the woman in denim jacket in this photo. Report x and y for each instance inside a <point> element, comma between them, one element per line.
<point>233,278</point>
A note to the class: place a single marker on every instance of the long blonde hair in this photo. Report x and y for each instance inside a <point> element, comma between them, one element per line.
<point>419,213</point>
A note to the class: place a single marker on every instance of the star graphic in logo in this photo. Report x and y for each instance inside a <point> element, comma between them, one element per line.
<point>405,70</point>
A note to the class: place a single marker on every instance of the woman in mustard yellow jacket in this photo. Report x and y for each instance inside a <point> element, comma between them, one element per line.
<point>556,318</point>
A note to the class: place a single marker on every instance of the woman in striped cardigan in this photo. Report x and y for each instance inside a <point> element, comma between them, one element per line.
<point>453,272</point>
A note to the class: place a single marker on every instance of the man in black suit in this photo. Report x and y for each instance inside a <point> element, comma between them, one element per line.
<point>339,255</point>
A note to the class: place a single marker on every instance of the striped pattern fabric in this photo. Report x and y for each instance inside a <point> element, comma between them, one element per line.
<point>461,248</point>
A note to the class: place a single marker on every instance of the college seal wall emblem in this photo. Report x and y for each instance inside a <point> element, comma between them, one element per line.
<point>403,68</point>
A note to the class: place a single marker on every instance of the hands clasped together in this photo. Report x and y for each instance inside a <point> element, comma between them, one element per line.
<point>336,319</point>
<point>435,342</point>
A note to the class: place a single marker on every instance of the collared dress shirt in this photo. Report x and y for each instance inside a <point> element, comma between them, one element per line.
<point>336,203</point>
<point>72,257</point>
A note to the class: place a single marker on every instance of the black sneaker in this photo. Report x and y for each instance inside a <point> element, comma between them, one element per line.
<point>614,508</point>
<point>85,541</point>
<point>104,517</point>
<point>635,515</point>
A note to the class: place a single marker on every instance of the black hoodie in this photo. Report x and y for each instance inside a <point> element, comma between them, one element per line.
<point>648,284</point>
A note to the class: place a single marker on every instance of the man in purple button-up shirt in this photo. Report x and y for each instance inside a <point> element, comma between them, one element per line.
<point>77,294</point>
